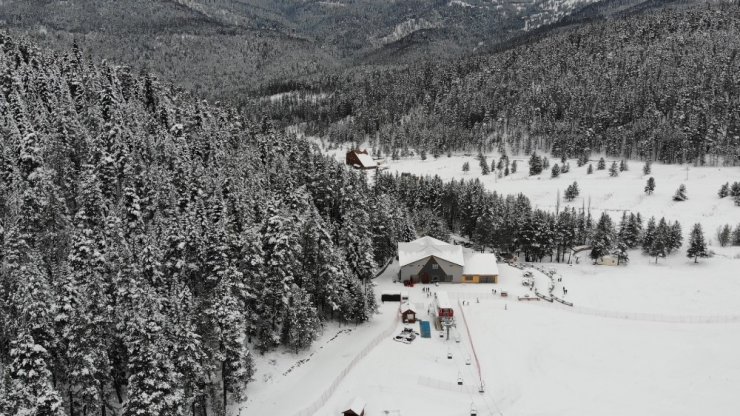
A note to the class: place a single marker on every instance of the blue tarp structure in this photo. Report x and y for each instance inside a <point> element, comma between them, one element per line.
<point>426,331</point>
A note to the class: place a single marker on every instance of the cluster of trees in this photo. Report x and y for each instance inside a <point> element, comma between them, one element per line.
<point>150,244</point>
<point>661,238</point>
<point>733,191</point>
<point>661,98</point>
<point>726,236</point>
<point>510,225</point>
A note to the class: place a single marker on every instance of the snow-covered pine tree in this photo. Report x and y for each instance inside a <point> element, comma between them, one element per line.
<point>632,231</point>
<point>484,169</point>
<point>603,238</point>
<point>555,171</point>
<point>466,167</point>
<point>614,170</point>
<point>650,185</point>
<point>660,246</point>
<point>535,165</point>
<point>680,194</point>
<point>649,236</point>
<point>647,168</point>
<point>724,234</point>
<point>697,245</point>
<point>601,165</point>
<point>304,321</point>
<point>590,169</point>
<point>724,190</point>
<point>675,237</point>
<point>30,389</point>
<point>513,166</point>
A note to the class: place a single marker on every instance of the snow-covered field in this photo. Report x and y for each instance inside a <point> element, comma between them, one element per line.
<point>540,359</point>
<point>641,339</point>
<point>599,190</point>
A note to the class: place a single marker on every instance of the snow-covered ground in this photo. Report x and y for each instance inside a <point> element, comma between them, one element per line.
<point>599,190</point>
<point>641,339</point>
<point>541,359</point>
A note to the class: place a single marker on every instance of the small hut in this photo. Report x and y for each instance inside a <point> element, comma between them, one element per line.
<point>356,408</point>
<point>360,159</point>
<point>408,313</point>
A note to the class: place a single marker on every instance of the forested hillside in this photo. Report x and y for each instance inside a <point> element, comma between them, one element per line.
<point>231,49</point>
<point>662,86</point>
<point>151,244</point>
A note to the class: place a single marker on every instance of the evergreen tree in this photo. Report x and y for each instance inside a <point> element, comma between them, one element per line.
<point>680,194</point>
<point>513,167</point>
<point>30,390</point>
<point>675,237</point>
<point>649,236</point>
<point>736,236</point>
<point>724,234</point>
<point>590,169</point>
<point>566,168</point>
<point>423,154</point>
<point>660,246</point>
<point>623,165</point>
<point>572,192</point>
<point>650,185</point>
<point>466,167</point>
<point>535,165</point>
<point>601,165</point>
<point>724,190</point>
<point>484,170</point>
<point>555,171</point>
<point>613,170</point>
<point>647,168</point>
<point>697,245</point>
<point>603,240</point>
<point>735,189</point>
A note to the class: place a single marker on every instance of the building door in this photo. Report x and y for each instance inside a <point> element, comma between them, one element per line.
<point>432,271</point>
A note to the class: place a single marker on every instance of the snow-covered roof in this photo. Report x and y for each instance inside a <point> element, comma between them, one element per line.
<point>357,406</point>
<point>577,249</point>
<point>480,264</point>
<point>407,307</point>
<point>428,246</point>
<point>366,160</point>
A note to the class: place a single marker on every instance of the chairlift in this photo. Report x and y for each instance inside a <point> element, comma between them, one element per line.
<point>473,410</point>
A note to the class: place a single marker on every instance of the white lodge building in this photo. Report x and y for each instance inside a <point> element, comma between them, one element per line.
<point>428,260</point>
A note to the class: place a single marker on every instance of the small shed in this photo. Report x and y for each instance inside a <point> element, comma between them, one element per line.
<point>607,260</point>
<point>356,408</point>
<point>408,313</point>
<point>360,159</point>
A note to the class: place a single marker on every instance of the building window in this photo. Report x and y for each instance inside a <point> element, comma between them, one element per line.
<point>435,266</point>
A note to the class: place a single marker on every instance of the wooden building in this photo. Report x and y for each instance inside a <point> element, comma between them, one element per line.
<point>429,260</point>
<point>408,313</point>
<point>360,159</point>
<point>356,408</point>
<point>480,268</point>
